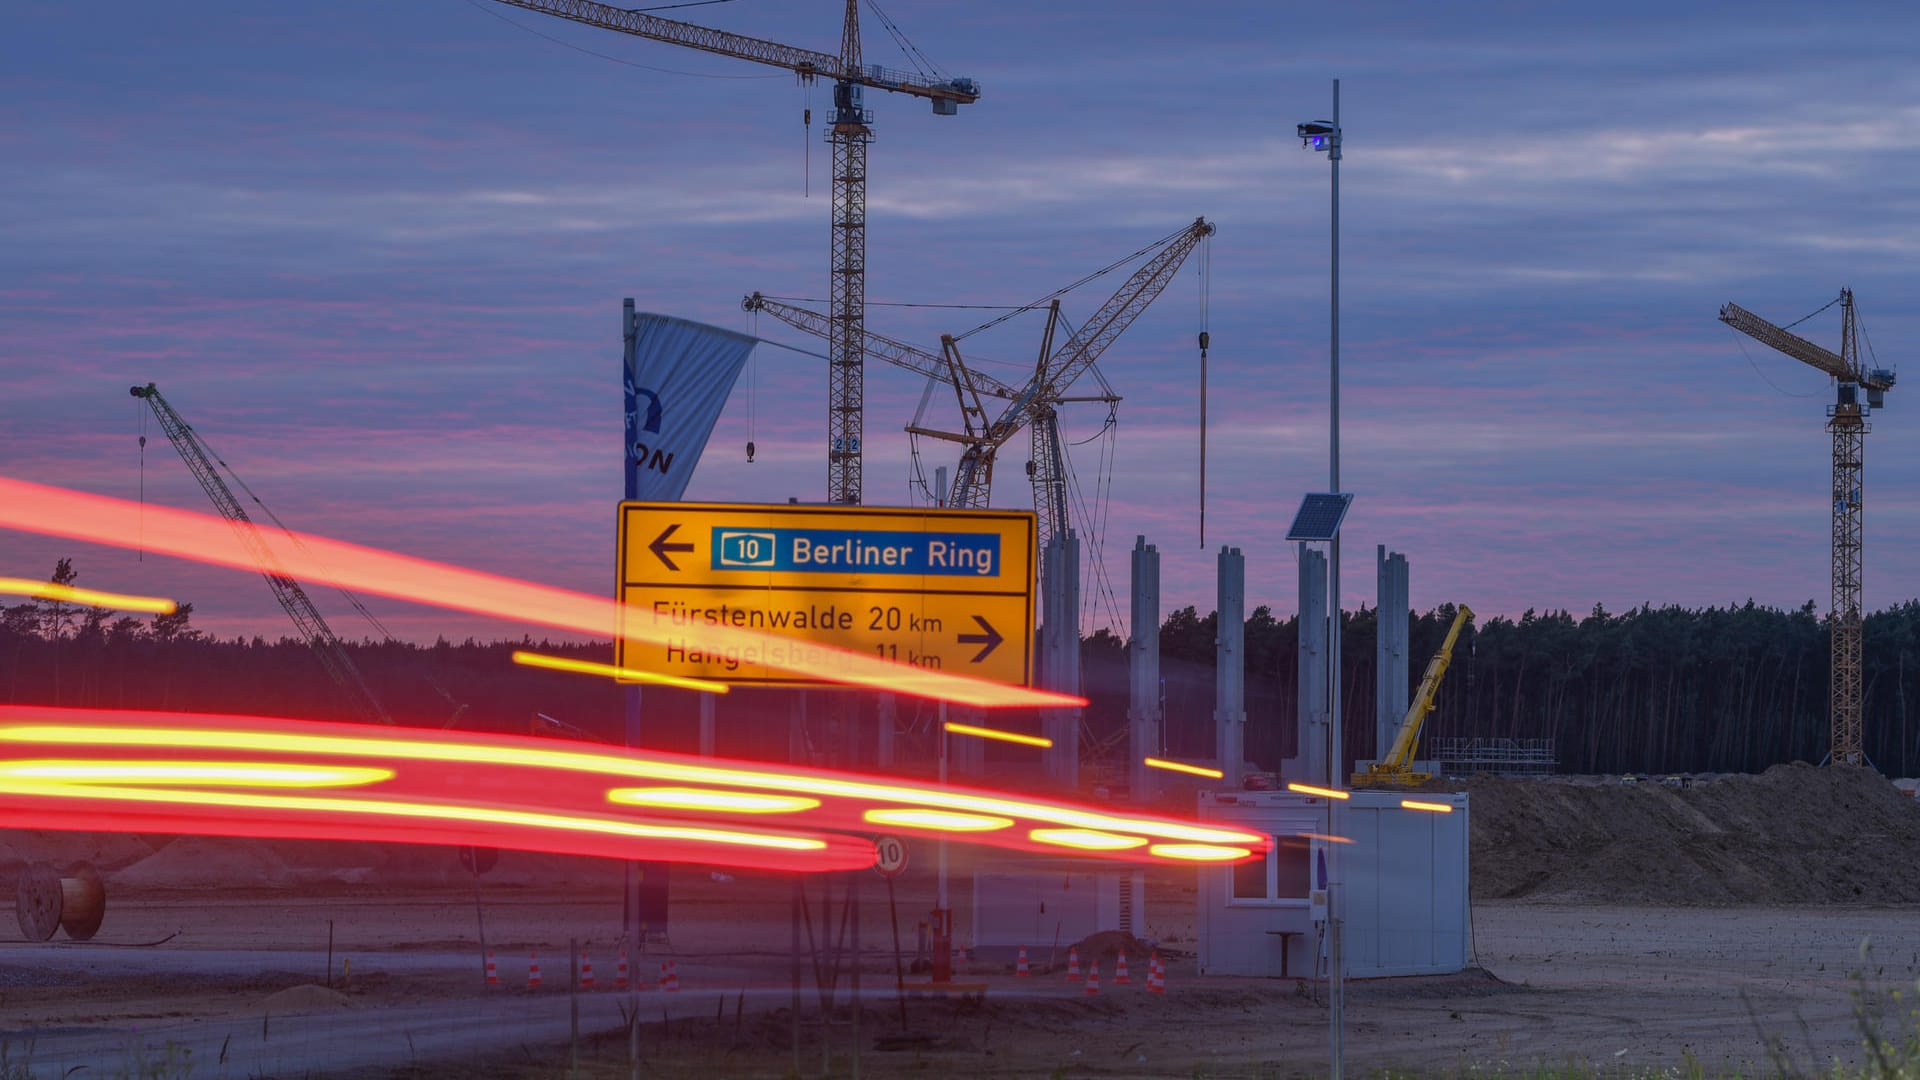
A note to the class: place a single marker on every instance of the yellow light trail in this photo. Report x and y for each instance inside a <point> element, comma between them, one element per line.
<point>211,773</point>
<point>1088,839</point>
<point>1328,793</point>
<point>739,802</point>
<point>610,765</point>
<point>53,511</point>
<point>588,667</point>
<point>1415,804</point>
<point>421,811</point>
<point>1003,736</point>
<point>1199,852</point>
<point>47,590</point>
<point>1183,767</point>
<point>944,820</point>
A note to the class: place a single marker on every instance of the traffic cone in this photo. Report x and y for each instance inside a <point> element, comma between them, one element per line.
<point>533,970</point>
<point>586,972</point>
<point>1073,965</point>
<point>1156,975</point>
<point>669,978</point>
<point>620,972</point>
<point>1120,969</point>
<point>493,973</point>
<point>1093,978</point>
<point>1020,965</point>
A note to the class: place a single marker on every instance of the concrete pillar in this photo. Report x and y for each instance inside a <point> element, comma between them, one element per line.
<point>1390,649</point>
<point>1060,655</point>
<point>1310,763</point>
<point>1143,671</point>
<point>1230,667</point>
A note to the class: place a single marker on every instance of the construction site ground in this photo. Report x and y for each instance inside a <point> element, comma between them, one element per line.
<point>1621,926</point>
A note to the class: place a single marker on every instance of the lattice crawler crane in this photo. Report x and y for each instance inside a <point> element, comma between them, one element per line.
<point>299,607</point>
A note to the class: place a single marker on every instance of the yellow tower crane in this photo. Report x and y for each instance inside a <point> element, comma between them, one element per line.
<point>1396,769</point>
<point>849,131</point>
<point>1847,422</point>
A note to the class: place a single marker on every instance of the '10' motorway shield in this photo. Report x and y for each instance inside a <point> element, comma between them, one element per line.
<point>944,589</point>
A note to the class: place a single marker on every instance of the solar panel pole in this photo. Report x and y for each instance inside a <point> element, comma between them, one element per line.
<point>1324,136</point>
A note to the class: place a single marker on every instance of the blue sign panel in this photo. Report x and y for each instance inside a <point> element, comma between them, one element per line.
<point>851,551</point>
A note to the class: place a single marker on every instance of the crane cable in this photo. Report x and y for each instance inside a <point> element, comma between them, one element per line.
<point>141,548</point>
<point>1205,269</point>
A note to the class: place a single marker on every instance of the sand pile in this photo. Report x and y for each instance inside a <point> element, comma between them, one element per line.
<point>1795,834</point>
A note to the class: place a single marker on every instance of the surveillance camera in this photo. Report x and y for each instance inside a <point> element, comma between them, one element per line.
<point>1313,128</point>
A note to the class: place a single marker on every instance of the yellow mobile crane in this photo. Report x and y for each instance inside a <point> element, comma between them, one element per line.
<point>1396,768</point>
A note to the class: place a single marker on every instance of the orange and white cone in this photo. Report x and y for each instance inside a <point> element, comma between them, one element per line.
<point>1093,978</point>
<point>1073,965</point>
<point>620,972</point>
<point>493,973</point>
<point>669,978</point>
<point>1120,969</point>
<point>533,970</point>
<point>586,972</point>
<point>1020,966</point>
<point>1156,975</point>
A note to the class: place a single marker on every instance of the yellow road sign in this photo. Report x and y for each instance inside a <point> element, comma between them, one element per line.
<point>944,589</point>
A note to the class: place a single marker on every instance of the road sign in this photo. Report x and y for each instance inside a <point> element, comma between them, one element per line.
<point>890,856</point>
<point>950,590</point>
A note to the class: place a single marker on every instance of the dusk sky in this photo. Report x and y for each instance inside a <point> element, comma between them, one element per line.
<point>375,254</point>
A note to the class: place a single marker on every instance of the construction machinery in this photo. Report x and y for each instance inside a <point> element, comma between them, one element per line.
<point>1035,404</point>
<point>319,636</point>
<point>849,131</point>
<point>1847,422</point>
<point>1395,769</point>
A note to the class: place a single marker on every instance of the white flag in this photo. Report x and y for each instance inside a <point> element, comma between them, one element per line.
<point>678,375</point>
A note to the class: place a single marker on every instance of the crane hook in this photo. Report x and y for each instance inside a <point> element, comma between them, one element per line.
<point>749,451</point>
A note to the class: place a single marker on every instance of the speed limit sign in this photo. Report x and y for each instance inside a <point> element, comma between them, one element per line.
<point>890,855</point>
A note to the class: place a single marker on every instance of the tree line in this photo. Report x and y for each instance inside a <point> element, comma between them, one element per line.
<point>1734,689</point>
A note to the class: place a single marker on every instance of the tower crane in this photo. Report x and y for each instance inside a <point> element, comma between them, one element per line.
<point>849,131</point>
<point>1847,422</point>
<point>320,637</point>
<point>1033,405</point>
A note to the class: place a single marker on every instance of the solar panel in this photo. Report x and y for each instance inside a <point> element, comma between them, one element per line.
<point>1320,515</point>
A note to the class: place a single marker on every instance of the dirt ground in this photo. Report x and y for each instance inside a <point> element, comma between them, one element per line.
<point>1631,926</point>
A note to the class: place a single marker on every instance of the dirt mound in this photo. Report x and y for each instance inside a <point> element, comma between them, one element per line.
<point>306,998</point>
<point>1795,834</point>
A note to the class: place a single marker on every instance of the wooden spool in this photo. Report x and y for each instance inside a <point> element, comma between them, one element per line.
<point>44,901</point>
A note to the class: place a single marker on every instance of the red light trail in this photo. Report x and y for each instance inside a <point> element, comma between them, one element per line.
<point>98,769</point>
<point>53,511</point>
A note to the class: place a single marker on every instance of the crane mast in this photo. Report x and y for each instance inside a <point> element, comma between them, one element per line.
<point>320,637</point>
<point>849,131</point>
<point>1847,424</point>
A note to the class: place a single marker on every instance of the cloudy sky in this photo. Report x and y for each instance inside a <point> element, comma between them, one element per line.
<point>375,253</point>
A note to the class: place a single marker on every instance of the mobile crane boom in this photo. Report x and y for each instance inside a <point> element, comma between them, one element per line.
<point>320,637</point>
<point>1396,768</point>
